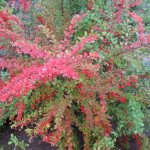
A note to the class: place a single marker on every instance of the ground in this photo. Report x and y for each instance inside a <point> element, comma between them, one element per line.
<point>35,144</point>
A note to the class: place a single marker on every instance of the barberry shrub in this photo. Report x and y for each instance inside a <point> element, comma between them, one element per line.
<point>79,92</point>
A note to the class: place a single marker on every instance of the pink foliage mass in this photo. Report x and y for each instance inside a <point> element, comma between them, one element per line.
<point>6,31</point>
<point>70,30</point>
<point>117,96</point>
<point>51,68</point>
<point>25,47</point>
<point>64,64</point>
<point>26,81</point>
<point>120,5</point>
<point>25,4</point>
<point>11,64</point>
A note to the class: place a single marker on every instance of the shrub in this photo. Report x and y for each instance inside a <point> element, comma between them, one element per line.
<point>79,92</point>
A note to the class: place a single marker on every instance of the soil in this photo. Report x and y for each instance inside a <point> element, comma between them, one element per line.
<point>35,144</point>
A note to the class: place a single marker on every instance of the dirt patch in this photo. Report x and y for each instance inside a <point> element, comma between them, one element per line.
<point>35,144</point>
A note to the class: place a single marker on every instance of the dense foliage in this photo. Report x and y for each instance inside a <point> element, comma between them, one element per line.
<point>79,89</point>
